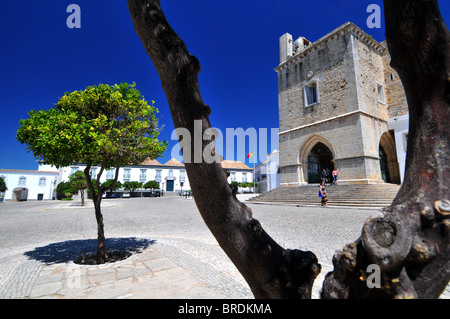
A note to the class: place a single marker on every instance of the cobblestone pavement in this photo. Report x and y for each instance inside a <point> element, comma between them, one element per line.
<point>175,255</point>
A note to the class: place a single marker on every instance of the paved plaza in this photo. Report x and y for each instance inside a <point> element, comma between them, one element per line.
<point>175,255</point>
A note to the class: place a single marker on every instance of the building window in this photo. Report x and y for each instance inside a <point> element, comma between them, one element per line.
<point>73,170</point>
<point>380,92</point>
<point>311,92</point>
<point>143,174</point>
<point>158,175</point>
<point>182,176</point>
<point>244,177</point>
<point>126,174</point>
<point>93,172</point>
<point>22,181</point>
<point>233,176</point>
<point>42,181</point>
<point>170,173</point>
<point>110,173</point>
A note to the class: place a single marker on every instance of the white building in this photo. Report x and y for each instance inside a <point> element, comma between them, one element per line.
<point>29,185</point>
<point>41,184</point>
<point>400,126</point>
<point>267,173</point>
<point>239,172</point>
<point>169,175</point>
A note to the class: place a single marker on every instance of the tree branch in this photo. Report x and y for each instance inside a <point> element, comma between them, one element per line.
<point>270,270</point>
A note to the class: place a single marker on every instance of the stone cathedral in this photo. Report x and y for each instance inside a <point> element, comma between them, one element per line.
<point>341,105</point>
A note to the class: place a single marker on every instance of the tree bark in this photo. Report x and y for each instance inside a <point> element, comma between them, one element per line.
<point>102,257</point>
<point>410,240</point>
<point>270,270</point>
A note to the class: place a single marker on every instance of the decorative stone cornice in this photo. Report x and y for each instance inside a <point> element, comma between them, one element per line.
<point>332,119</point>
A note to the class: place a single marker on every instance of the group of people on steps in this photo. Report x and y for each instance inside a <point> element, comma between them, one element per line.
<point>326,177</point>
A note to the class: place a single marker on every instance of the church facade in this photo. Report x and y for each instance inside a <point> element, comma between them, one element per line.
<point>341,105</point>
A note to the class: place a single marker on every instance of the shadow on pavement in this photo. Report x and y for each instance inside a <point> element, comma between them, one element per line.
<point>71,249</point>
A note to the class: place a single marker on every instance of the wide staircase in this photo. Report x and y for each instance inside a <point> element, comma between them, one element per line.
<point>354,195</point>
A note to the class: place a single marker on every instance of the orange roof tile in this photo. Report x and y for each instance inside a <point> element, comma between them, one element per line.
<point>234,165</point>
<point>149,161</point>
<point>173,162</point>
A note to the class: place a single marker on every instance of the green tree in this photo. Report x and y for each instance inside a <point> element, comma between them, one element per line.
<point>131,186</point>
<point>3,188</point>
<point>111,185</point>
<point>104,126</point>
<point>151,185</point>
<point>64,188</point>
<point>78,182</point>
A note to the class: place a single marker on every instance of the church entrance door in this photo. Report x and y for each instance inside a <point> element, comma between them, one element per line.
<point>319,158</point>
<point>384,167</point>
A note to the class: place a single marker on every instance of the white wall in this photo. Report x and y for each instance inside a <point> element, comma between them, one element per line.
<point>269,169</point>
<point>32,188</point>
<point>400,125</point>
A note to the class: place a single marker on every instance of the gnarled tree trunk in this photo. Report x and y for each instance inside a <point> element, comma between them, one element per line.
<point>409,242</point>
<point>270,270</point>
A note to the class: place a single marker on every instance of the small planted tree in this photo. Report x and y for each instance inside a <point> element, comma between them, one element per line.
<point>111,185</point>
<point>103,126</point>
<point>63,190</point>
<point>151,185</point>
<point>132,186</point>
<point>3,187</point>
<point>77,183</point>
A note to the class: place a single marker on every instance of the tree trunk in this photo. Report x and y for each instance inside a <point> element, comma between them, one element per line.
<point>97,200</point>
<point>410,240</point>
<point>270,270</point>
<point>82,196</point>
<point>101,241</point>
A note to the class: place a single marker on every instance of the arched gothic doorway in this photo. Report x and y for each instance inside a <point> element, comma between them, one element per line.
<point>319,158</point>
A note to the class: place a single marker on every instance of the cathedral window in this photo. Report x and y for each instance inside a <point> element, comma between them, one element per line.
<point>311,93</point>
<point>380,92</point>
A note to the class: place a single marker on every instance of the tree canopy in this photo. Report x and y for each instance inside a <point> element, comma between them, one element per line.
<point>102,125</point>
<point>106,126</point>
<point>3,187</point>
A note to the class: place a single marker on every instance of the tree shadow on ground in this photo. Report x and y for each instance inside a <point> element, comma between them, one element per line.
<point>70,250</point>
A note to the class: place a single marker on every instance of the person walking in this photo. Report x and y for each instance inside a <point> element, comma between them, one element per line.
<point>335,176</point>
<point>323,194</point>
<point>323,176</point>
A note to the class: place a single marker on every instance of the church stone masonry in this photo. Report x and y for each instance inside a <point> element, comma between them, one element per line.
<point>340,104</point>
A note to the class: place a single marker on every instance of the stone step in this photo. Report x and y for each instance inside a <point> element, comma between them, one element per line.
<point>373,195</point>
<point>340,204</point>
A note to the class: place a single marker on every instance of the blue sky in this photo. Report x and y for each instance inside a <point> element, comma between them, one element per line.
<point>235,41</point>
